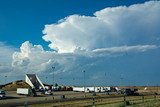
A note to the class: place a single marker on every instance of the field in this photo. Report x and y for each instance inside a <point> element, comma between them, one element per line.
<point>147,98</point>
<point>134,101</point>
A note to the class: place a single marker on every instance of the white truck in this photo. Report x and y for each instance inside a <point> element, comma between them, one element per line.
<point>25,91</point>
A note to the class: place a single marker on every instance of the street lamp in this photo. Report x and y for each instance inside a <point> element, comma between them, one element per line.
<point>121,77</point>
<point>53,76</point>
<point>105,77</point>
<point>46,79</point>
<point>73,81</point>
<point>84,83</point>
<point>5,79</point>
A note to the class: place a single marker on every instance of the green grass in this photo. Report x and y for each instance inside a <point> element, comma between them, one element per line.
<point>111,105</point>
<point>150,103</point>
<point>153,103</point>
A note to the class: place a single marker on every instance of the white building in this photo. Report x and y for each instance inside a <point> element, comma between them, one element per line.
<point>34,81</point>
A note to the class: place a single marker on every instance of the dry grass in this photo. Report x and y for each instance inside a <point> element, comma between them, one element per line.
<point>103,102</point>
<point>14,85</point>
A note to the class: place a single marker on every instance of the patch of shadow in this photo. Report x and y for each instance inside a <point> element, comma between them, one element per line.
<point>11,97</point>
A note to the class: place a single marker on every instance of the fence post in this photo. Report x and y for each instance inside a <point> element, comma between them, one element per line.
<point>143,98</point>
<point>124,101</point>
<point>93,101</point>
<point>25,104</point>
<point>155,97</point>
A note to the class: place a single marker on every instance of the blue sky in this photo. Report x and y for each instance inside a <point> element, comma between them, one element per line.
<point>25,20</point>
<point>116,42</point>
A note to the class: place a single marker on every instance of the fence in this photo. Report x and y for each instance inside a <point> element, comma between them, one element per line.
<point>95,101</point>
<point>78,100</point>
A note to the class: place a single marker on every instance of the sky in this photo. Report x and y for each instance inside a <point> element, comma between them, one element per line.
<point>115,42</point>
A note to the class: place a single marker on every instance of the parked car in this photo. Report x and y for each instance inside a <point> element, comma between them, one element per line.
<point>2,94</point>
<point>46,92</point>
<point>129,91</point>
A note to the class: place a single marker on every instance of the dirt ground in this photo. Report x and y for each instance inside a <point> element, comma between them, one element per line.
<point>12,99</point>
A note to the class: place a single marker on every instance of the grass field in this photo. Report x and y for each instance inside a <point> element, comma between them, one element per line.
<point>76,99</point>
<point>151,103</point>
<point>138,104</point>
<point>132,101</point>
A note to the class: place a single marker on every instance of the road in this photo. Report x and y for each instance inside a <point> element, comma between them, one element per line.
<point>12,99</point>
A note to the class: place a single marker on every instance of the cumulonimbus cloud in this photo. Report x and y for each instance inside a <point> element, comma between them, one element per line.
<point>111,31</point>
<point>111,27</point>
<point>89,42</point>
<point>32,58</point>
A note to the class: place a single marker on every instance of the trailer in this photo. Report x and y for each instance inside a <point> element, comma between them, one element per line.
<point>91,89</point>
<point>78,89</point>
<point>26,91</point>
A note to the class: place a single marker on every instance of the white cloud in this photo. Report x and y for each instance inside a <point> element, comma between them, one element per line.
<point>82,41</point>
<point>94,43</point>
<point>32,58</point>
<point>111,27</point>
<point>6,52</point>
<point>123,49</point>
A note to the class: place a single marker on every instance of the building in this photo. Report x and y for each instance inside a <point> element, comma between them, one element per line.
<point>34,81</point>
